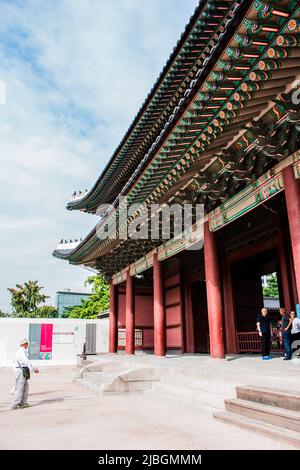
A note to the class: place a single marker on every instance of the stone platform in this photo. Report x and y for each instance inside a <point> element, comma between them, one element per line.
<point>216,378</point>
<point>244,391</point>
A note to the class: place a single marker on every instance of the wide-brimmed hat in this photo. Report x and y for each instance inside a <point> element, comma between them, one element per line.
<point>23,341</point>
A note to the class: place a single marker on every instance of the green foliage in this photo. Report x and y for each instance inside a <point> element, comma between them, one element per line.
<point>98,300</point>
<point>26,300</point>
<point>272,289</point>
<point>46,311</point>
<point>3,314</point>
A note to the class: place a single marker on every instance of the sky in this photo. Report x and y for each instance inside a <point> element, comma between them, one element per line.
<point>75,73</point>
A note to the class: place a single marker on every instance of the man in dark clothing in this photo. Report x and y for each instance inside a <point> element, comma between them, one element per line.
<point>264,328</point>
<point>286,333</point>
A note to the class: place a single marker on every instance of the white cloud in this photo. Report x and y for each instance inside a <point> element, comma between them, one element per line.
<point>76,73</point>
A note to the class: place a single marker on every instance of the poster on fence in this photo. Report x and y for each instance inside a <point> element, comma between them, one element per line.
<point>40,341</point>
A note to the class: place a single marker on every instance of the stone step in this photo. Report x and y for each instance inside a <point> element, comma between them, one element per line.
<point>100,391</point>
<point>119,385</point>
<point>201,374</point>
<point>188,395</point>
<point>156,395</point>
<point>201,384</point>
<point>98,378</point>
<point>281,398</point>
<point>272,415</point>
<point>88,384</point>
<point>107,366</point>
<point>288,437</point>
<point>131,380</point>
<point>241,378</point>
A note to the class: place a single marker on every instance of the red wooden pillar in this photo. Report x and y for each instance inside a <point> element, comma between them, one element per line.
<point>113,319</point>
<point>159,309</point>
<point>189,321</point>
<point>214,296</point>
<point>230,324</point>
<point>284,274</point>
<point>182,308</point>
<point>292,197</point>
<point>129,346</point>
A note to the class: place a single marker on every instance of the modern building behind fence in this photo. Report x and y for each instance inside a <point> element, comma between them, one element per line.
<point>66,299</point>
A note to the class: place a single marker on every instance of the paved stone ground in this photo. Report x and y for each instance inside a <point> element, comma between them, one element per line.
<point>65,415</point>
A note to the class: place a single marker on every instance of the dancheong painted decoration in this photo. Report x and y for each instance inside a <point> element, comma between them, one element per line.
<point>220,129</point>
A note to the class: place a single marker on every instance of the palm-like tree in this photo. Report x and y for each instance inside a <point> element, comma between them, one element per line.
<point>33,295</point>
<point>18,299</point>
<point>26,298</point>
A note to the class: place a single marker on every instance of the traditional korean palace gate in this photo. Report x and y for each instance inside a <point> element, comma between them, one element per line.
<point>221,128</point>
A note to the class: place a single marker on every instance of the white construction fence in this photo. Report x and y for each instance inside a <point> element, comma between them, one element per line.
<point>55,341</point>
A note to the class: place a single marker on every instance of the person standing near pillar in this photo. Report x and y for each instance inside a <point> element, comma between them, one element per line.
<point>295,333</point>
<point>286,333</point>
<point>264,328</point>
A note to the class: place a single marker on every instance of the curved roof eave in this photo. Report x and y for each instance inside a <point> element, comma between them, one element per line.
<point>68,254</point>
<point>83,202</point>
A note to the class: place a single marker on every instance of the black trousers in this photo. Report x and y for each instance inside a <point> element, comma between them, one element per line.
<point>265,344</point>
<point>287,343</point>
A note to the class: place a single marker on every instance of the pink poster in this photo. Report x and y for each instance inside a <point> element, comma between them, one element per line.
<point>46,341</point>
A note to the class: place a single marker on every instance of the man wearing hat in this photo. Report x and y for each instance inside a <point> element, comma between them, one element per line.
<point>22,368</point>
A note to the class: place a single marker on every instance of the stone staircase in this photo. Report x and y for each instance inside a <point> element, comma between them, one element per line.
<point>116,377</point>
<point>199,390</point>
<point>270,412</point>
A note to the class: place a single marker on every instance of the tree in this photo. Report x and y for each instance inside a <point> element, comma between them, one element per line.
<point>33,295</point>
<point>3,314</point>
<point>46,311</point>
<point>26,300</point>
<point>18,300</point>
<point>272,288</point>
<point>98,300</point>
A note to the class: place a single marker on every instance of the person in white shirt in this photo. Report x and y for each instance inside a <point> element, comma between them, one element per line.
<point>295,332</point>
<point>21,382</point>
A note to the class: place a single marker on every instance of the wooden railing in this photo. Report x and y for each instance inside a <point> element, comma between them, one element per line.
<point>138,339</point>
<point>250,342</point>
